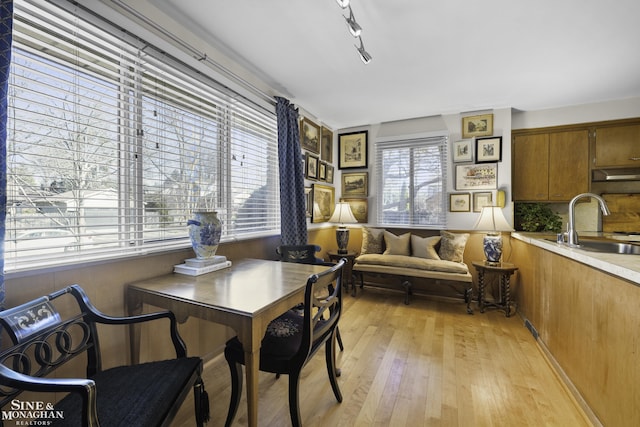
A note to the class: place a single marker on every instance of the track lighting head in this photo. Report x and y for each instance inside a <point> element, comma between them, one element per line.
<point>343,3</point>
<point>352,24</point>
<point>364,55</point>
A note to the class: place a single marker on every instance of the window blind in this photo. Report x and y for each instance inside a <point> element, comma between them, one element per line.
<point>113,144</point>
<point>412,182</point>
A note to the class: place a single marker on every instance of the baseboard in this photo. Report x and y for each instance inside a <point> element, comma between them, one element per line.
<point>566,382</point>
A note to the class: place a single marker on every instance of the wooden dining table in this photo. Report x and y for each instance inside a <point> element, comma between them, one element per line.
<point>245,297</point>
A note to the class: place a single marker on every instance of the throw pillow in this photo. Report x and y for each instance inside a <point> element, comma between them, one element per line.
<point>452,246</point>
<point>397,245</point>
<point>371,241</point>
<point>425,247</point>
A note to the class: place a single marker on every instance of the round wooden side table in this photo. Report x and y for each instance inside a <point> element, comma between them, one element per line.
<point>504,270</point>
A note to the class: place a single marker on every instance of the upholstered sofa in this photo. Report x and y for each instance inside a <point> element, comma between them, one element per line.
<point>409,256</point>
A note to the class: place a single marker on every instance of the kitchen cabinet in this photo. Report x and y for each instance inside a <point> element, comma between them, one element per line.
<point>586,320</point>
<point>617,145</point>
<point>550,165</point>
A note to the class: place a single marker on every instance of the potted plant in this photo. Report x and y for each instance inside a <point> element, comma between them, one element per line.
<point>537,217</point>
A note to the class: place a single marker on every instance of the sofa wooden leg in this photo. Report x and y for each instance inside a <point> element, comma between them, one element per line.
<point>407,291</point>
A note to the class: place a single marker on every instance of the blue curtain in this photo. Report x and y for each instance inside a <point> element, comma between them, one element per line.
<point>6,26</point>
<point>292,199</point>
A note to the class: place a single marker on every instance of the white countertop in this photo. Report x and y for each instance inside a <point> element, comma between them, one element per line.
<point>621,265</point>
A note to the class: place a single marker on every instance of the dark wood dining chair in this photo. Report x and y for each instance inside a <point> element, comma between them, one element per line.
<point>305,254</point>
<point>291,340</point>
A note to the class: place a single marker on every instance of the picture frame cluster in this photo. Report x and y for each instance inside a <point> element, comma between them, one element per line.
<point>353,153</point>
<point>318,164</point>
<point>317,141</point>
<point>475,160</point>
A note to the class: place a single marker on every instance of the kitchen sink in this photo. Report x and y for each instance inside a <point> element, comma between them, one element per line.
<point>606,246</point>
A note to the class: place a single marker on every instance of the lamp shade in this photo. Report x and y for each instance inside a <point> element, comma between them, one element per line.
<point>492,219</point>
<point>342,214</point>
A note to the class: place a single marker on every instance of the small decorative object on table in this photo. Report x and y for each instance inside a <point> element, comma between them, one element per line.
<point>205,230</point>
<point>198,266</point>
<point>492,221</point>
<point>342,215</point>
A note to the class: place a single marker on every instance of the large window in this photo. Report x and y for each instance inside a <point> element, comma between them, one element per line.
<point>113,144</point>
<point>412,182</point>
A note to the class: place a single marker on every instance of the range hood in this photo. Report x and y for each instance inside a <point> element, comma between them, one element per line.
<point>621,174</point>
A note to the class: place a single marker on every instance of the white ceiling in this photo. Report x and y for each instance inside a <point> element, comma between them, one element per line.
<point>429,58</point>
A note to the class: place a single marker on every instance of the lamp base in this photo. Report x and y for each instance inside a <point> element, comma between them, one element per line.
<point>342,238</point>
<point>492,246</point>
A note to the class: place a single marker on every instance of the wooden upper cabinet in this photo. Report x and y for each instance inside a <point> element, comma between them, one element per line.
<point>530,172</point>
<point>617,145</point>
<point>552,166</point>
<point>568,164</point>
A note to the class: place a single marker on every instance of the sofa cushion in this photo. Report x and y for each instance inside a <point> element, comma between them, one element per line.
<point>452,246</point>
<point>372,239</point>
<point>413,263</point>
<point>424,247</point>
<point>397,245</point>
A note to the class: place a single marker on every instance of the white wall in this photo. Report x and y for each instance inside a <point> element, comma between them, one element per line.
<point>596,112</point>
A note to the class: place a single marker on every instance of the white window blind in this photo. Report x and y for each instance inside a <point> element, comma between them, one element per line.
<point>412,182</point>
<point>113,144</point>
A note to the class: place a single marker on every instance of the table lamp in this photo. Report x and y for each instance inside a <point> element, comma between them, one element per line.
<point>492,221</point>
<point>342,215</point>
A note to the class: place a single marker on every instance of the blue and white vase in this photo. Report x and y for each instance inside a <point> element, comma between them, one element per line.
<point>205,230</point>
<point>492,245</point>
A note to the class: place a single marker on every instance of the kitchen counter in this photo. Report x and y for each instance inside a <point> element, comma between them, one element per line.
<point>620,265</point>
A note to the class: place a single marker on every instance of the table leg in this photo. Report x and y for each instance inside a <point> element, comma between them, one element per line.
<point>252,364</point>
<point>507,293</point>
<point>134,307</point>
<point>481,290</point>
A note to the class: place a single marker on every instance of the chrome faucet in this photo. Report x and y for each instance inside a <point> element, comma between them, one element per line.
<point>572,235</point>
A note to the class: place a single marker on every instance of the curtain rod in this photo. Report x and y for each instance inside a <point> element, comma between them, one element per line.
<point>198,55</point>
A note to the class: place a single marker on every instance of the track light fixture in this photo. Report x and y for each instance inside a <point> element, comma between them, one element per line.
<point>352,24</point>
<point>364,55</point>
<point>355,30</point>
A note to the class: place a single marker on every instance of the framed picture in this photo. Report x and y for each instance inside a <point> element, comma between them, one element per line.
<point>323,203</point>
<point>311,171</point>
<point>326,145</point>
<point>489,149</point>
<point>355,184</point>
<point>329,174</point>
<point>481,200</point>
<point>477,177</point>
<point>352,150</point>
<point>477,126</point>
<point>322,171</point>
<point>463,151</point>
<point>359,208</point>
<point>459,202</point>
<point>310,136</point>
<point>308,201</point>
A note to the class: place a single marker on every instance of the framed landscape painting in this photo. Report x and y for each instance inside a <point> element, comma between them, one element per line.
<point>477,126</point>
<point>323,203</point>
<point>355,184</point>
<point>359,208</point>
<point>310,136</point>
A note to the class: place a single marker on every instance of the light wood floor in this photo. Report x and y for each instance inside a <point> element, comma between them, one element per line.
<point>425,364</point>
